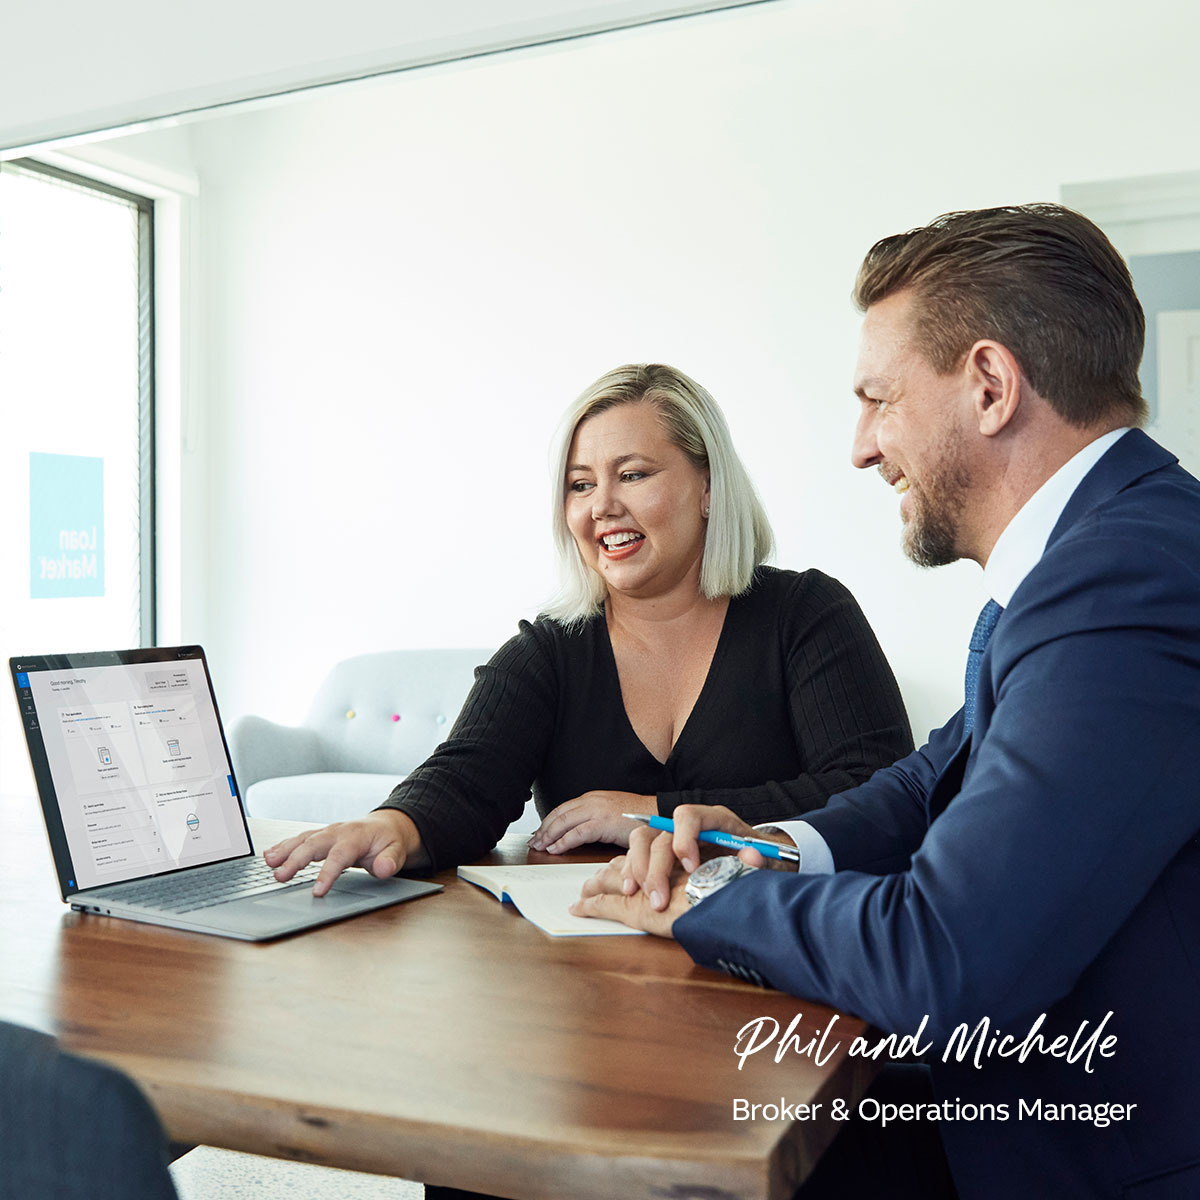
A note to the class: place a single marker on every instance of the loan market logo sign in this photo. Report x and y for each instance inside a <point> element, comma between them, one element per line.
<point>66,526</point>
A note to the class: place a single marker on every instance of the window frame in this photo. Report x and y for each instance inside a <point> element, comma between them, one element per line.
<point>147,406</point>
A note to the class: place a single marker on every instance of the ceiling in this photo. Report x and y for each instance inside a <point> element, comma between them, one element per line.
<point>76,67</point>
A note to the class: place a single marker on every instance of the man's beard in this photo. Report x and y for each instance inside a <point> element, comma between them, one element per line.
<point>931,533</point>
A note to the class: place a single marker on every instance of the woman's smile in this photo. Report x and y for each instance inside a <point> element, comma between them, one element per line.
<point>620,543</point>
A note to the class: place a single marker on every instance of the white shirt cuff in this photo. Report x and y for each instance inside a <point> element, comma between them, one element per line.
<point>815,855</point>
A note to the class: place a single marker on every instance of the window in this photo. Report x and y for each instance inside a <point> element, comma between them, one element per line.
<point>76,423</point>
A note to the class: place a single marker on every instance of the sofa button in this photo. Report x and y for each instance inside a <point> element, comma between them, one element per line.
<point>395,716</point>
<point>350,714</point>
<point>441,718</point>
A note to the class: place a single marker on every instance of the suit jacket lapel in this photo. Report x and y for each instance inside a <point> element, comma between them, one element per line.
<point>1126,461</point>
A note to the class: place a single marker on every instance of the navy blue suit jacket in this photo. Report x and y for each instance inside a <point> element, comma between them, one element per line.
<point>1048,864</point>
<point>74,1129</point>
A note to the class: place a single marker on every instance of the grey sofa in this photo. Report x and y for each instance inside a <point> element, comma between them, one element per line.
<point>374,719</point>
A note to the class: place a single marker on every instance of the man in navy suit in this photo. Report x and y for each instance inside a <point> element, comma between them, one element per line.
<point>1035,865</point>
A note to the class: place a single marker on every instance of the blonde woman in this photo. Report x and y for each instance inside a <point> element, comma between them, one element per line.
<point>674,667</point>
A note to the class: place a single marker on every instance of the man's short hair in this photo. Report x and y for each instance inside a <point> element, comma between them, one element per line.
<point>1041,280</point>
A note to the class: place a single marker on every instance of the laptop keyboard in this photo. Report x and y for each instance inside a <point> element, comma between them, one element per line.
<point>190,890</point>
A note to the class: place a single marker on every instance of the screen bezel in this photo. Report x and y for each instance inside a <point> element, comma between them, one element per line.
<point>39,760</point>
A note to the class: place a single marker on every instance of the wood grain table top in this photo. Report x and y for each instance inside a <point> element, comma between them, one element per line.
<point>446,1039</point>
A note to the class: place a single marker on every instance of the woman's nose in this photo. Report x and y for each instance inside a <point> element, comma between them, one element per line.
<point>604,501</point>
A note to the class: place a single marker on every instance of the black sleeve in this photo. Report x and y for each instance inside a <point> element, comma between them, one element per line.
<point>475,784</point>
<point>847,714</point>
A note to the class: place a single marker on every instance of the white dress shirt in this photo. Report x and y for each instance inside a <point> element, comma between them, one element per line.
<point>1015,554</point>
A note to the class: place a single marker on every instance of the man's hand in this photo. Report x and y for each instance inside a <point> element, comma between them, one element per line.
<point>592,817</point>
<point>605,895</point>
<point>652,857</point>
<point>383,842</point>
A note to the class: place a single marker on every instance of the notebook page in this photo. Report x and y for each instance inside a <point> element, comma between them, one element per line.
<point>543,894</point>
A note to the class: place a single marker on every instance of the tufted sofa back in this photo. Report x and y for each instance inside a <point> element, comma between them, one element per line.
<point>385,712</point>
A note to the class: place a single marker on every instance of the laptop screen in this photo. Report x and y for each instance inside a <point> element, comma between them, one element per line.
<point>131,763</point>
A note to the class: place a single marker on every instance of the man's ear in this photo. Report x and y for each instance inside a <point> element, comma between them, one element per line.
<point>996,382</point>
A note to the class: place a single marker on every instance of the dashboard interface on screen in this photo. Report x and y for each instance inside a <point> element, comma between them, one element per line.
<point>138,764</point>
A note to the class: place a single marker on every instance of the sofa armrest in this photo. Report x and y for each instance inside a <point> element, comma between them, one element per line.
<point>263,750</point>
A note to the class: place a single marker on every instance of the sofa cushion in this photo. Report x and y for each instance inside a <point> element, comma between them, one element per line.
<point>325,797</point>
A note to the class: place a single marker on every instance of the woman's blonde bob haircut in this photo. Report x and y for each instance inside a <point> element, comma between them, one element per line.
<point>738,536</point>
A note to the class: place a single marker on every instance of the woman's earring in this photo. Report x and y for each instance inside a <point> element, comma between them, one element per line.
<point>704,511</point>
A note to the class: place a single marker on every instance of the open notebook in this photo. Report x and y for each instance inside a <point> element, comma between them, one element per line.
<point>543,894</point>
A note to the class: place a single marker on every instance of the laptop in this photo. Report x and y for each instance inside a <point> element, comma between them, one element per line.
<point>143,814</point>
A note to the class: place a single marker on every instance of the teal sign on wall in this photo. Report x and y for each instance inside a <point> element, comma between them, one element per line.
<point>66,526</point>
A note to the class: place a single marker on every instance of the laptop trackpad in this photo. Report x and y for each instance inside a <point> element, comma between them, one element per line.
<point>347,892</point>
<point>302,900</point>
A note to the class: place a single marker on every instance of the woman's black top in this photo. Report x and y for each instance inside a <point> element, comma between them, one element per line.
<point>799,704</point>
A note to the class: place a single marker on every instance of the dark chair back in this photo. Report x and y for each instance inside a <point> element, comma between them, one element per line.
<point>72,1129</point>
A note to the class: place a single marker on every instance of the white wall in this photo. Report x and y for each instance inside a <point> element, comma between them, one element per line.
<point>404,284</point>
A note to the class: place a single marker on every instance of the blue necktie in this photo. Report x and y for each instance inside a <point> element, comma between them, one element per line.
<point>979,640</point>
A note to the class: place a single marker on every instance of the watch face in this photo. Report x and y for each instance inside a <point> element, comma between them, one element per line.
<point>718,871</point>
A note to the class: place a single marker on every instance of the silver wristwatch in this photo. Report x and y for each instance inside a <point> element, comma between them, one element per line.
<point>713,875</point>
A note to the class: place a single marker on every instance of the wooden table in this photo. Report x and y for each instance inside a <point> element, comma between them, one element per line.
<point>446,1039</point>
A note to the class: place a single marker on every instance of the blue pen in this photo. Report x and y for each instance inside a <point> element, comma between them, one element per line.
<point>728,840</point>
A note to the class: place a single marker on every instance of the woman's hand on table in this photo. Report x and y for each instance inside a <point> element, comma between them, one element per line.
<point>592,817</point>
<point>383,842</point>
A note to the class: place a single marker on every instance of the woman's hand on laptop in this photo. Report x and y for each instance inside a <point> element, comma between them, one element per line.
<point>383,842</point>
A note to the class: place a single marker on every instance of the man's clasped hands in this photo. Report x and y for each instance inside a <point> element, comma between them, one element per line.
<point>644,888</point>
